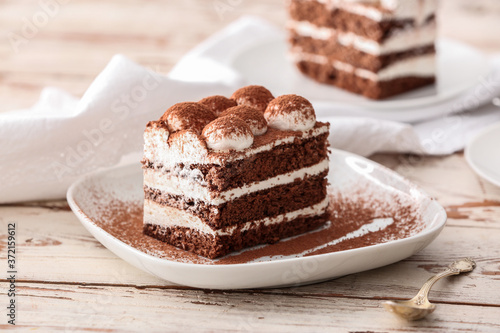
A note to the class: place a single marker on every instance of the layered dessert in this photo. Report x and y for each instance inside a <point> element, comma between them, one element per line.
<point>375,48</point>
<point>224,173</point>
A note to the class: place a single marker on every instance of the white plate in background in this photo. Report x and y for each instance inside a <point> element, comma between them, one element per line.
<point>483,154</point>
<point>351,173</point>
<point>459,68</point>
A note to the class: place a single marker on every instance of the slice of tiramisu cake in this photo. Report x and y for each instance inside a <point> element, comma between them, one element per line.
<point>376,48</point>
<point>223,174</point>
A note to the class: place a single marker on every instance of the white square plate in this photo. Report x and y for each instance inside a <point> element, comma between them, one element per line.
<point>350,175</point>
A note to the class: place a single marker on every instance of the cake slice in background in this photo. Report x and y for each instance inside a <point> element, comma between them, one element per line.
<point>375,48</point>
<point>224,174</point>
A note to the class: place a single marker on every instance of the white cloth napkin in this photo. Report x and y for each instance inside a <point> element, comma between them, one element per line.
<point>45,148</point>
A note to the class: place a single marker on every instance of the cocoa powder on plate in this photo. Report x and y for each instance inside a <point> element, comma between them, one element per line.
<point>348,213</point>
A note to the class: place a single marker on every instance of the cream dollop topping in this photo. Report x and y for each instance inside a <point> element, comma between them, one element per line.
<point>252,117</point>
<point>187,116</point>
<point>290,112</point>
<point>254,96</point>
<point>228,133</point>
<point>217,103</point>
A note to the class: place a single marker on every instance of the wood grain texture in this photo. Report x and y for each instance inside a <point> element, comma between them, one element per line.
<point>69,282</point>
<point>123,309</point>
<point>63,251</point>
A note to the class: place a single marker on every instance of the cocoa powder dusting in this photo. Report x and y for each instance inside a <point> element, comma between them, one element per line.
<point>217,103</point>
<point>123,220</point>
<point>348,214</point>
<point>255,96</point>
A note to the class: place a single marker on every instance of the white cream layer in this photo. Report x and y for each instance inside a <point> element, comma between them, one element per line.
<point>185,186</point>
<point>158,151</point>
<point>170,217</point>
<point>418,10</point>
<point>419,66</point>
<point>404,40</point>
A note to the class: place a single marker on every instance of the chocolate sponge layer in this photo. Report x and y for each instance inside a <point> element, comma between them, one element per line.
<point>211,246</point>
<point>281,159</point>
<point>359,85</point>
<point>341,20</point>
<point>271,202</point>
<point>334,51</point>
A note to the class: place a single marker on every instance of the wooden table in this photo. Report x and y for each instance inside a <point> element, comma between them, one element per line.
<point>67,281</point>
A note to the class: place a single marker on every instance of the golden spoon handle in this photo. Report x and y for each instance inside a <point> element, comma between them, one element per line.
<point>421,297</point>
<point>455,268</point>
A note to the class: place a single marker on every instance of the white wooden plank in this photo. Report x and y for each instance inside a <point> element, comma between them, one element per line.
<point>67,308</point>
